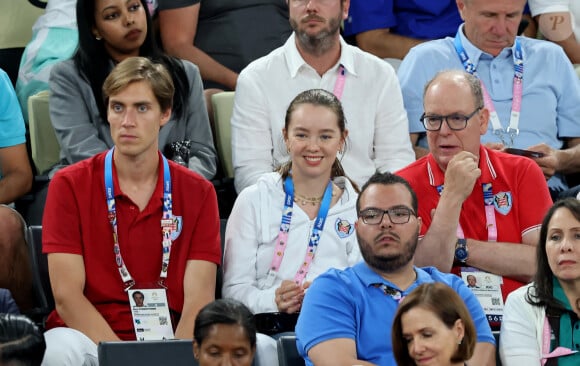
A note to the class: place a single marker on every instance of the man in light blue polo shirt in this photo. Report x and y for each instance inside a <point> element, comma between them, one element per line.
<point>531,85</point>
<point>347,315</point>
<point>15,181</point>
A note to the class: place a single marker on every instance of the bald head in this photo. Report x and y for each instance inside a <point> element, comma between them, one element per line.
<point>458,77</point>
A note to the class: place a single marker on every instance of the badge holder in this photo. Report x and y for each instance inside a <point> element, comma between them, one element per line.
<point>487,288</point>
<point>150,313</point>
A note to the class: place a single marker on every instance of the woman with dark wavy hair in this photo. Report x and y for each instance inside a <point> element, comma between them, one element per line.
<point>109,32</point>
<point>540,323</point>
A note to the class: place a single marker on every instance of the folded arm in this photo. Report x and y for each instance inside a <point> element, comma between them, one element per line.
<point>385,44</point>
<point>336,352</point>
<point>178,28</point>
<point>16,177</point>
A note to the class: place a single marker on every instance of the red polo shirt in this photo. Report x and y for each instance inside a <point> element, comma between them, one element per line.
<point>76,221</point>
<point>521,198</point>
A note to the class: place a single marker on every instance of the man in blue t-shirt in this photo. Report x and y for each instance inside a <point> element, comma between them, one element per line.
<point>15,181</point>
<point>389,28</point>
<point>347,315</point>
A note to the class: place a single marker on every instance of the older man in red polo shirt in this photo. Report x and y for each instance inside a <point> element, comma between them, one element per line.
<point>481,208</point>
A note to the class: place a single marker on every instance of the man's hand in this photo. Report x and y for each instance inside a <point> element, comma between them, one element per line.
<point>549,162</point>
<point>460,176</point>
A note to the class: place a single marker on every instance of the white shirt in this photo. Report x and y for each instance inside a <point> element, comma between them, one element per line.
<point>372,102</point>
<point>252,232</point>
<point>521,330</point>
<point>538,7</point>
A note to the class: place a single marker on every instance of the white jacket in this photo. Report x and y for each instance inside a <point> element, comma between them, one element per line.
<point>251,234</point>
<point>520,341</point>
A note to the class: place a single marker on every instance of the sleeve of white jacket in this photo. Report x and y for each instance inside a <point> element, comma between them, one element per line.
<point>240,256</point>
<point>521,331</point>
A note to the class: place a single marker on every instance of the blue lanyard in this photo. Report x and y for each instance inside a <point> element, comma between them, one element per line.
<point>314,238</point>
<point>168,224</point>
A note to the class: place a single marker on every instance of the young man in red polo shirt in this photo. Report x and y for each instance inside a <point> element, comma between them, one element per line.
<point>127,220</point>
<point>481,208</point>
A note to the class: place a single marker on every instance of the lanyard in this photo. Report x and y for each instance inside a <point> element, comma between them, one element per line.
<point>512,130</point>
<point>489,213</point>
<point>282,240</point>
<point>167,224</point>
<point>339,84</point>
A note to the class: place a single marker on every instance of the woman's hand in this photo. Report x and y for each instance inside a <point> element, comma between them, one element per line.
<point>289,296</point>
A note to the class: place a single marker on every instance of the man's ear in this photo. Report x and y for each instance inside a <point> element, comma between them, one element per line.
<point>483,120</point>
<point>165,115</point>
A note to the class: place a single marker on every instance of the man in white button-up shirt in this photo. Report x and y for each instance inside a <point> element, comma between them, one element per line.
<point>315,56</point>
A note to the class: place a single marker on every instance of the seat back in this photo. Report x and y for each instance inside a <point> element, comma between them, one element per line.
<point>288,353</point>
<point>223,106</point>
<point>44,145</point>
<point>497,358</point>
<point>44,301</point>
<point>177,352</point>
<point>220,270</point>
<point>16,20</point>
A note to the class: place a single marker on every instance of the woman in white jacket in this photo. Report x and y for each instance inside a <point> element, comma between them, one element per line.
<point>540,323</point>
<point>294,224</point>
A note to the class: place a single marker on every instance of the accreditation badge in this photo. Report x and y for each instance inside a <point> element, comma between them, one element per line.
<point>150,312</point>
<point>487,288</point>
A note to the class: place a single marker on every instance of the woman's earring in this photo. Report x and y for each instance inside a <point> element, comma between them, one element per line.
<point>98,38</point>
<point>460,341</point>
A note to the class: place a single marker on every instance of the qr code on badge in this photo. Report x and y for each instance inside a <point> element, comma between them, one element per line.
<point>495,301</point>
<point>162,320</point>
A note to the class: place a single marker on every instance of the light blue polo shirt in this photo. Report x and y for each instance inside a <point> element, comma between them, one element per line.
<point>12,130</point>
<point>551,90</point>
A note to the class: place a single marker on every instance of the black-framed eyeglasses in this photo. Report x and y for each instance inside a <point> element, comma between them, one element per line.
<point>397,215</point>
<point>455,121</point>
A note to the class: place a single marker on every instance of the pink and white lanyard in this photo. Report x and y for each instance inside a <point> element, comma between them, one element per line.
<point>512,130</point>
<point>282,240</point>
<point>339,84</point>
<point>490,222</point>
<point>167,222</point>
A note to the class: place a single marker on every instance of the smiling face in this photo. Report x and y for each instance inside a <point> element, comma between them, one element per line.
<point>313,138</point>
<point>386,246</point>
<point>563,245</point>
<point>122,25</point>
<point>135,117</point>
<point>491,25</point>
<point>224,345</point>
<point>450,94</point>
<point>429,340</point>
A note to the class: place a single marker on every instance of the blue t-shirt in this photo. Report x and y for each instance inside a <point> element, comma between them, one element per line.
<point>345,304</point>
<point>421,19</point>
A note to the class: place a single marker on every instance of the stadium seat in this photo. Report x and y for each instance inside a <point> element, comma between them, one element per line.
<point>158,353</point>
<point>44,145</point>
<point>223,105</point>
<point>288,353</point>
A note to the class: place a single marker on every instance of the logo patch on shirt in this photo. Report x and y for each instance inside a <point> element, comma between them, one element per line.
<point>178,224</point>
<point>503,202</point>
<point>343,228</point>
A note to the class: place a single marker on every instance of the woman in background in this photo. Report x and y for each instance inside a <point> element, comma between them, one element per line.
<point>540,322</point>
<point>224,334</point>
<point>433,327</point>
<point>109,32</point>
